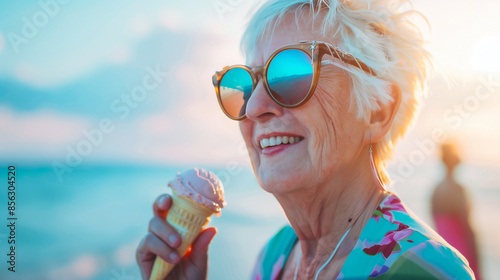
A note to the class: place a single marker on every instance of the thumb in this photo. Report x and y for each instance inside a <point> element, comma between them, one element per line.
<point>199,248</point>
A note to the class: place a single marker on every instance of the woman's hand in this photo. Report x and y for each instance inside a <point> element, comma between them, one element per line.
<point>162,241</point>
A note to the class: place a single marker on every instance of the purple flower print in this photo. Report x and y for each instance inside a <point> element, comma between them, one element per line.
<point>390,243</point>
<point>277,267</point>
<point>393,203</point>
<point>379,270</point>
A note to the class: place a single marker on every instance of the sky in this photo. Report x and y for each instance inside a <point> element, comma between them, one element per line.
<point>68,68</point>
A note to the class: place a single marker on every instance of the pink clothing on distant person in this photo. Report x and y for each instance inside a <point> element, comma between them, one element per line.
<point>456,233</point>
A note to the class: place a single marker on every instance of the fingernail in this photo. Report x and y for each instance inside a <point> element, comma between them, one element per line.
<point>173,239</point>
<point>162,199</point>
<point>174,257</point>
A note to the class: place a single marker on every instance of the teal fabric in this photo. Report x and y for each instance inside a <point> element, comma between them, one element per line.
<point>393,245</point>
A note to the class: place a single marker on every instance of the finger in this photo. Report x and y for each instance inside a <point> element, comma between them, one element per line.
<point>161,205</point>
<point>144,260</point>
<point>150,248</point>
<point>165,232</point>
<point>199,248</point>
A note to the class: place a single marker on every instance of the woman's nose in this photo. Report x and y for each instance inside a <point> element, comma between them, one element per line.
<point>261,107</point>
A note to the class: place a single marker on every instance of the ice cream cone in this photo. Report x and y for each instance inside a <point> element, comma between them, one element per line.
<point>188,218</point>
<point>190,211</point>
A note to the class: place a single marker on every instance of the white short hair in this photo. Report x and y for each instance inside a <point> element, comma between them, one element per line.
<point>381,34</point>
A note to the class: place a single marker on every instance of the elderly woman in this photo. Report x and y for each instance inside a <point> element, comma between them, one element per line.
<point>328,88</point>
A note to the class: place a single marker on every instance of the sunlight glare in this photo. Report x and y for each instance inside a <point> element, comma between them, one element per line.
<point>486,55</point>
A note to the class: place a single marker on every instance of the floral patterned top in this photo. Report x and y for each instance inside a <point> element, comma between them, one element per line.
<point>393,245</point>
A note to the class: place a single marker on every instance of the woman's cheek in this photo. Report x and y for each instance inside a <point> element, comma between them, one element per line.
<point>326,120</point>
<point>246,133</point>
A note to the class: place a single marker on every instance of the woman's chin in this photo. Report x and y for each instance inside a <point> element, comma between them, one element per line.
<point>280,181</point>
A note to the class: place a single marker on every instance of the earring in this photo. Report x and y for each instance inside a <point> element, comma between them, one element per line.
<point>374,170</point>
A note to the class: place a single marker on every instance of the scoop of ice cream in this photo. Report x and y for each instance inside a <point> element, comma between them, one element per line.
<point>201,186</point>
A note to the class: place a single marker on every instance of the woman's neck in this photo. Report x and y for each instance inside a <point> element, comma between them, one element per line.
<point>321,217</point>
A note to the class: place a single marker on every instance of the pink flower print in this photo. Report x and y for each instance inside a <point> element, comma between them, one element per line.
<point>257,272</point>
<point>393,204</point>
<point>385,213</point>
<point>390,243</point>
<point>277,267</point>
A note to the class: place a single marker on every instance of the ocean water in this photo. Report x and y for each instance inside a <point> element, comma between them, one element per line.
<point>89,225</point>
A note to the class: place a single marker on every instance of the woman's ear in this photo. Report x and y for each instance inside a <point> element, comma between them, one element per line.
<point>381,120</point>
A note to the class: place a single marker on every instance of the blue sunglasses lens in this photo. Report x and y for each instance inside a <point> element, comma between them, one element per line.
<point>290,75</point>
<point>235,89</point>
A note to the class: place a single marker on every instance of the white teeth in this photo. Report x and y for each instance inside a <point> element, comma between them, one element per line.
<point>264,143</point>
<point>278,140</point>
<point>272,141</point>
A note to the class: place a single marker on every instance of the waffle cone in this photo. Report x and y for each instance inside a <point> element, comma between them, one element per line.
<point>188,218</point>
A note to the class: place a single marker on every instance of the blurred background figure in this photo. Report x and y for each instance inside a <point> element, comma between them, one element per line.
<point>451,209</point>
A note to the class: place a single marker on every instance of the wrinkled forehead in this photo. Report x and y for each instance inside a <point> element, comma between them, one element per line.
<point>291,30</point>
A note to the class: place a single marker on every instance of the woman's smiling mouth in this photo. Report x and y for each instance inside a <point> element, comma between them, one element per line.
<point>276,142</point>
<point>279,140</point>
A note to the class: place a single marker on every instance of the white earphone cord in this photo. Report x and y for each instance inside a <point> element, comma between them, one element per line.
<point>326,263</point>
